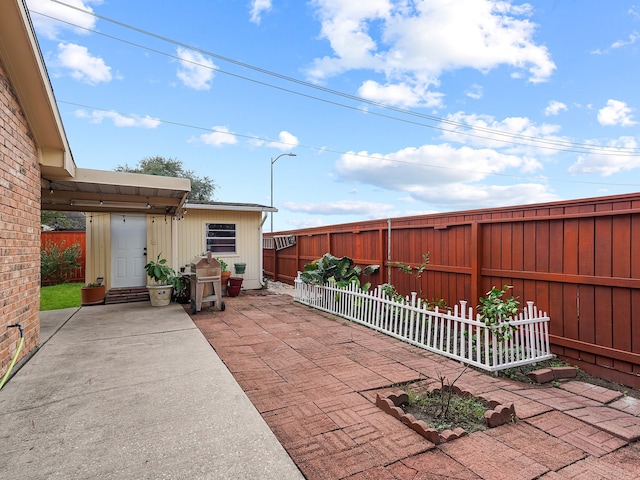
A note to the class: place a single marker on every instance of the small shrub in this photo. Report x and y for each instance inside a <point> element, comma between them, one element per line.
<point>495,312</point>
<point>57,262</point>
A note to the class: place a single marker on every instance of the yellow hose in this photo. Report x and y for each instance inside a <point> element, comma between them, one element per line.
<point>13,362</point>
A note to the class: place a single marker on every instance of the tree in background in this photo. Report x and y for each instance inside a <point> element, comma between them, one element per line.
<point>202,188</point>
<point>63,220</point>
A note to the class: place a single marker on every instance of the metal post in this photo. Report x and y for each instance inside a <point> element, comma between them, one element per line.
<point>272,162</point>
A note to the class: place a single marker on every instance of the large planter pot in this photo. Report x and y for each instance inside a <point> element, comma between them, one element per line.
<point>235,284</point>
<point>224,279</point>
<point>160,295</point>
<point>93,295</point>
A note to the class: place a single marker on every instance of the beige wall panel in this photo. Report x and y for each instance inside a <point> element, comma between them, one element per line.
<point>159,238</point>
<point>98,247</point>
<point>191,240</point>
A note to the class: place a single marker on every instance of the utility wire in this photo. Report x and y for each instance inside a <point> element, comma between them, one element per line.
<point>353,154</point>
<point>546,143</point>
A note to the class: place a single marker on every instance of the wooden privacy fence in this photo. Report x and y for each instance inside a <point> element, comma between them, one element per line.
<point>578,260</point>
<point>68,238</point>
<point>453,334</point>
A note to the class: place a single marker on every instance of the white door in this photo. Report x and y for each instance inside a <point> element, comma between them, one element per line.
<point>128,250</point>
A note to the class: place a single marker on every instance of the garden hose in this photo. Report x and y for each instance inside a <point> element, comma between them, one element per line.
<point>15,357</point>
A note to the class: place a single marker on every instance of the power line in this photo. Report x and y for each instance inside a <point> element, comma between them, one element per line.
<point>353,154</point>
<point>509,138</point>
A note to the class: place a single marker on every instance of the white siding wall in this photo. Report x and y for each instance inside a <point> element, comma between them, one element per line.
<point>98,262</point>
<point>191,240</point>
<point>159,239</point>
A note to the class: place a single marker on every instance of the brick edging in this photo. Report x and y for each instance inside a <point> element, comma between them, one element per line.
<point>496,416</point>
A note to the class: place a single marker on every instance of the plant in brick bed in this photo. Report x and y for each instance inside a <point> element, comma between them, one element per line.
<point>447,407</point>
<point>446,413</point>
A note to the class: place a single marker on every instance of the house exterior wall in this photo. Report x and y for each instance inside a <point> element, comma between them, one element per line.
<point>159,233</point>
<point>19,228</point>
<point>189,234</point>
<point>191,240</point>
<point>98,248</point>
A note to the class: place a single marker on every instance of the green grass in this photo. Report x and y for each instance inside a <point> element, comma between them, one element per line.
<point>65,295</point>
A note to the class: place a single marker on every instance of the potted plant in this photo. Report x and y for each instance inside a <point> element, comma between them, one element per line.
<point>225,272</point>
<point>93,293</point>
<point>164,278</point>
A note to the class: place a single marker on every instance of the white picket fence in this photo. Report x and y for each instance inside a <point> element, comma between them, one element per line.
<point>450,333</point>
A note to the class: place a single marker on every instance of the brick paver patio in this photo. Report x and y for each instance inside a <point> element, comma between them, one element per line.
<point>312,377</point>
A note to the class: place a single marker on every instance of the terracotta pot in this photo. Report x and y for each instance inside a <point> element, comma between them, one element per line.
<point>93,295</point>
<point>225,278</point>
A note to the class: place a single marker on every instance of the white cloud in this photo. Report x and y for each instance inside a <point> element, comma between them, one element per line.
<point>508,134</point>
<point>633,38</point>
<point>400,94</point>
<point>341,207</point>
<point>258,7</point>
<point>219,136</point>
<point>413,43</point>
<point>50,28</point>
<point>616,113</point>
<point>475,92</point>
<point>554,108</point>
<point>462,196</point>
<point>605,165</point>
<point>443,175</point>
<point>286,141</point>
<point>84,66</point>
<point>427,166</point>
<point>97,116</point>
<point>299,223</point>
<point>195,71</point>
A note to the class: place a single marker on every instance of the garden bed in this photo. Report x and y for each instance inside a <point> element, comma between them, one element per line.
<point>443,413</point>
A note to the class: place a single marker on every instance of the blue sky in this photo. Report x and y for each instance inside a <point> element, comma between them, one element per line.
<point>392,107</point>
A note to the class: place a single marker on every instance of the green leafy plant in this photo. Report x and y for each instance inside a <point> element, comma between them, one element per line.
<point>160,272</point>
<point>391,292</point>
<point>181,289</point>
<point>223,265</point>
<point>57,261</point>
<point>342,271</point>
<point>416,271</point>
<point>495,311</point>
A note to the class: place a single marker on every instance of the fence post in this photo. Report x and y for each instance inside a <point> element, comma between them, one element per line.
<point>275,264</point>
<point>476,262</point>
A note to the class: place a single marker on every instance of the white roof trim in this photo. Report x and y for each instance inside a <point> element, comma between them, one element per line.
<point>240,207</point>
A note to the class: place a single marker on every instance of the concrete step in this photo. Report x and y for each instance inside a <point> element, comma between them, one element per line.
<point>127,295</point>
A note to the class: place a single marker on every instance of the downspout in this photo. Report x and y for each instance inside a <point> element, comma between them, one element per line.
<point>174,243</point>
<point>261,274</point>
<point>389,251</point>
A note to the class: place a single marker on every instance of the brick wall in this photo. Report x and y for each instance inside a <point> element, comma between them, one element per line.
<point>19,228</point>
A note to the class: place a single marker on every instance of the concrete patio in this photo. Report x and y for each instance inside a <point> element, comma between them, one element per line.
<point>129,392</point>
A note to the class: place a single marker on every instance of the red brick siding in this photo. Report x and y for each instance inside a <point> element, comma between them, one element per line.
<point>19,228</point>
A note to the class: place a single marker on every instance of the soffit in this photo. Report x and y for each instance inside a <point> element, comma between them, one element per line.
<point>114,192</point>
<point>23,63</point>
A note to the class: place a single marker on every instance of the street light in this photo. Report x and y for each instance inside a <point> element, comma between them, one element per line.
<point>274,160</point>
